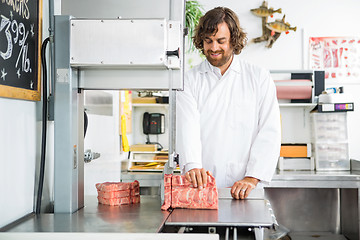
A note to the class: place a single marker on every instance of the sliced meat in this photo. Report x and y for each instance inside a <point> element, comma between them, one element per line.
<point>114,201</point>
<point>180,194</point>
<point>167,192</point>
<point>116,186</point>
<point>118,193</point>
<point>114,194</point>
<point>135,199</point>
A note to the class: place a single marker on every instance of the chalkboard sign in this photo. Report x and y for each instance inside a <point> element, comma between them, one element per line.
<point>20,46</point>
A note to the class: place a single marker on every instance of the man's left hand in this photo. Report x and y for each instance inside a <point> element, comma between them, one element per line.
<point>241,189</point>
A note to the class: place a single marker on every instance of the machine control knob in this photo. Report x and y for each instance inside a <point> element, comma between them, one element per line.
<point>173,53</point>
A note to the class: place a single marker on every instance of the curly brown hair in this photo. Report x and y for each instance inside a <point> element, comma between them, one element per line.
<point>208,26</point>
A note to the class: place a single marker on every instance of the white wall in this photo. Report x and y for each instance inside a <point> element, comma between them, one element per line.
<point>313,18</point>
<point>18,150</point>
<point>102,136</point>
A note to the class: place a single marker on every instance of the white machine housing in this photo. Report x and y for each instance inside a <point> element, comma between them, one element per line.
<point>112,54</point>
<point>124,43</point>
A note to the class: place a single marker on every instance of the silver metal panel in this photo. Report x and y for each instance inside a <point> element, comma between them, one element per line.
<point>177,13</point>
<point>256,193</point>
<point>145,179</point>
<point>240,213</point>
<point>350,213</point>
<point>174,42</point>
<point>122,54</point>
<point>145,217</point>
<point>118,42</point>
<point>316,235</point>
<point>105,79</point>
<point>312,184</point>
<point>285,163</point>
<point>107,236</point>
<point>177,8</point>
<point>291,71</point>
<point>68,182</point>
<point>98,102</point>
<point>172,131</point>
<point>309,209</point>
<point>355,164</point>
<point>281,179</point>
<point>259,233</point>
<point>116,8</point>
<point>80,147</point>
<point>313,179</point>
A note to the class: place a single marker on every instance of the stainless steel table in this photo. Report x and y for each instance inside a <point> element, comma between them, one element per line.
<point>147,217</point>
<point>237,213</point>
<point>305,201</point>
<point>253,214</point>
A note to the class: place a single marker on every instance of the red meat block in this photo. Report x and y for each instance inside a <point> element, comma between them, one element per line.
<point>135,199</point>
<point>114,194</point>
<point>180,194</point>
<point>167,180</point>
<point>118,193</point>
<point>134,185</point>
<point>134,192</point>
<point>167,193</point>
<point>116,186</point>
<point>114,201</point>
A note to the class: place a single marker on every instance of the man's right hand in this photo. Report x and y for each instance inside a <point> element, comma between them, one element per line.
<point>197,177</point>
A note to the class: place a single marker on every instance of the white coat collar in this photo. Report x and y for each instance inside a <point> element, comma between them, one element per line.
<point>207,67</point>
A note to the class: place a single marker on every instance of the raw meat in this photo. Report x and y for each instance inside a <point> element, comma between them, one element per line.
<point>116,186</point>
<point>167,192</point>
<point>118,193</point>
<point>135,199</point>
<point>180,194</point>
<point>114,194</point>
<point>114,201</point>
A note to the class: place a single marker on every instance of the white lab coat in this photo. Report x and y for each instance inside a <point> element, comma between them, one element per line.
<point>230,124</point>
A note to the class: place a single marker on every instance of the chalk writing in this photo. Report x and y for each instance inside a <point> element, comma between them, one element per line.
<point>20,44</point>
<point>19,6</point>
<point>19,31</point>
<point>5,25</point>
<point>3,74</point>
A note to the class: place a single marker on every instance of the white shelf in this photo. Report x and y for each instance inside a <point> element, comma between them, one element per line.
<point>150,105</point>
<point>148,160</point>
<point>307,105</point>
<point>155,152</point>
<point>304,106</point>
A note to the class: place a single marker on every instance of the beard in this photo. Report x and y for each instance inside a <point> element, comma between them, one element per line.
<point>218,62</point>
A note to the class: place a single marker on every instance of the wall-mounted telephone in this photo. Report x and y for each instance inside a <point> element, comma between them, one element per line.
<point>153,123</point>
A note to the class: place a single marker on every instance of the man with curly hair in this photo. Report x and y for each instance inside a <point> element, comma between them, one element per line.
<point>228,119</point>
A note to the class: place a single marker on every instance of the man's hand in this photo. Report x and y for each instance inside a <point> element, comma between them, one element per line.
<point>197,177</point>
<point>241,189</point>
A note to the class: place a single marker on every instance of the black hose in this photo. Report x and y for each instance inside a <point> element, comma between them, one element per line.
<point>86,120</point>
<point>44,127</point>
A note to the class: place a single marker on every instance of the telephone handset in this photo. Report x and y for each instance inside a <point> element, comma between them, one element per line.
<point>146,123</point>
<point>153,123</point>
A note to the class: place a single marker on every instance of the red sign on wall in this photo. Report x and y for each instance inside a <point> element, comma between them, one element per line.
<point>338,56</point>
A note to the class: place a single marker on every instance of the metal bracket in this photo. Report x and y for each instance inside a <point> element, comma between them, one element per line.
<point>259,233</point>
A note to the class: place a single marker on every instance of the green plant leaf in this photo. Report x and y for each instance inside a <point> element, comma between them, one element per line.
<point>193,12</point>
